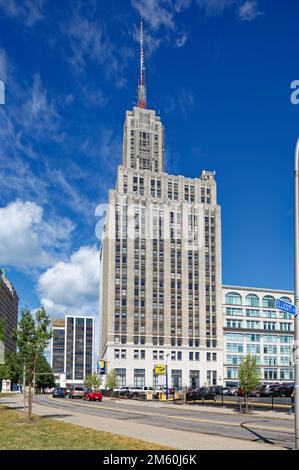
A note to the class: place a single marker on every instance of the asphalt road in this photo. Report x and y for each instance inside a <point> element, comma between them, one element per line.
<point>272,431</point>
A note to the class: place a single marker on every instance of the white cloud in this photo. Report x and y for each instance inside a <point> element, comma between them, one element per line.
<point>27,240</point>
<point>245,10</point>
<point>72,286</point>
<point>161,15</point>
<point>156,13</point>
<point>87,41</point>
<point>249,10</point>
<point>27,11</point>
<point>215,7</point>
<point>182,102</point>
<point>39,113</point>
<point>180,42</point>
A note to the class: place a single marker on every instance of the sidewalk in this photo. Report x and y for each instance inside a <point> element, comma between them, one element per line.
<point>183,440</point>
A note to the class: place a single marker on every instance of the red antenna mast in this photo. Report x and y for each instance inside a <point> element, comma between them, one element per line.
<point>141,86</point>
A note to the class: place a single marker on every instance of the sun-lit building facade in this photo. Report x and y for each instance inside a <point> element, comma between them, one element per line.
<point>161,286</point>
<point>253,325</point>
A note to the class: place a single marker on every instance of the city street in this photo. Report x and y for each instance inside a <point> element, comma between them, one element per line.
<point>172,424</point>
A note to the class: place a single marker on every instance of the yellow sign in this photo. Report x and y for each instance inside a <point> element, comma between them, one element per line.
<point>160,369</point>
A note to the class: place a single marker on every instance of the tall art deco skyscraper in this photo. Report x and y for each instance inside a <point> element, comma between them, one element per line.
<point>160,264</point>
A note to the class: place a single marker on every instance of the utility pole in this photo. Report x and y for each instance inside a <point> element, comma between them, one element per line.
<point>167,375</point>
<point>296,282</point>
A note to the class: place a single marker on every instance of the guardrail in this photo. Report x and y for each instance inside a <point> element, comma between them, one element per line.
<point>272,403</point>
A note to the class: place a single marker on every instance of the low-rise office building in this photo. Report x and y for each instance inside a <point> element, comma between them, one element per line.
<point>253,325</point>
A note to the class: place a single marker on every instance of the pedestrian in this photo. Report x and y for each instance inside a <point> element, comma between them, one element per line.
<point>292,409</point>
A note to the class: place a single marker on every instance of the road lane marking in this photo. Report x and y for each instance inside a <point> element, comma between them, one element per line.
<point>187,418</point>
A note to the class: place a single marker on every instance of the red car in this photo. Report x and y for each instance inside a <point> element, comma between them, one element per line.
<point>92,395</point>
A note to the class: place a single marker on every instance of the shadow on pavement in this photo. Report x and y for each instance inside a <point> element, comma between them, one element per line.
<point>55,416</point>
<point>259,436</point>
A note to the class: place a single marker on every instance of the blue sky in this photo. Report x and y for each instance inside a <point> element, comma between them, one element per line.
<point>219,74</point>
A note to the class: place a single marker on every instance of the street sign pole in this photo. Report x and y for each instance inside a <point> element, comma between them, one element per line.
<point>296,282</point>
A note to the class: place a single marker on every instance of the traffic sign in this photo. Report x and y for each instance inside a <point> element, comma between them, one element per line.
<point>160,369</point>
<point>286,307</point>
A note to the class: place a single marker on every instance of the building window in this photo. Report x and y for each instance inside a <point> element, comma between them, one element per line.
<point>194,379</point>
<point>212,377</point>
<point>139,378</point>
<point>268,301</point>
<point>270,374</point>
<point>232,372</point>
<point>121,377</point>
<point>176,379</point>
<point>232,298</point>
<point>252,300</point>
<point>286,374</point>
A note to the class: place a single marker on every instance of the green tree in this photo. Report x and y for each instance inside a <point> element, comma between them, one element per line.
<point>92,381</point>
<point>32,337</point>
<point>111,380</point>
<point>44,377</point>
<point>249,375</point>
<point>14,363</point>
<point>4,373</point>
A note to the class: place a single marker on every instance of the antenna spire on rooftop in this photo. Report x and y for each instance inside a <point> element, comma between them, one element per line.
<point>141,86</point>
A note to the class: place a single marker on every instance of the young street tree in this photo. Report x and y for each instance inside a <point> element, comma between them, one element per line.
<point>92,381</point>
<point>32,337</point>
<point>249,376</point>
<point>111,381</point>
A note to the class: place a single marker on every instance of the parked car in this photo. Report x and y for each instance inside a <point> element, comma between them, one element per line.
<point>58,392</point>
<point>135,392</point>
<point>224,390</point>
<point>122,391</point>
<point>92,395</point>
<point>76,392</point>
<point>233,391</point>
<point>283,390</point>
<point>256,392</point>
<point>200,394</point>
<point>218,389</point>
<point>266,390</point>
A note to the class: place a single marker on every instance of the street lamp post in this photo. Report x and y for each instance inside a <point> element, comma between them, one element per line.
<point>296,282</point>
<point>167,376</point>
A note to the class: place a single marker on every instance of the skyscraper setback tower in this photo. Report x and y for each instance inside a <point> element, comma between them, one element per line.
<point>161,280</point>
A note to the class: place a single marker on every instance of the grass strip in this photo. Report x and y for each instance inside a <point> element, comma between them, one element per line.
<point>16,433</point>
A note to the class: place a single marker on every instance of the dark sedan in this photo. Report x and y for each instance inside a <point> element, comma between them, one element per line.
<point>283,390</point>
<point>200,394</point>
<point>58,392</point>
